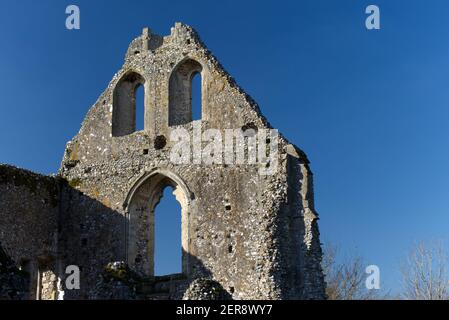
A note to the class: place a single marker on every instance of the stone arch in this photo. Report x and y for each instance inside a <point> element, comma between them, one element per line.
<point>180,91</point>
<point>124,103</point>
<point>140,205</point>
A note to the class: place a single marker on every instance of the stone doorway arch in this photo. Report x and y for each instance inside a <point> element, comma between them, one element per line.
<point>140,205</point>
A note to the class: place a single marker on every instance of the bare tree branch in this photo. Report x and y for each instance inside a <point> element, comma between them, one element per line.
<point>345,279</point>
<point>425,273</point>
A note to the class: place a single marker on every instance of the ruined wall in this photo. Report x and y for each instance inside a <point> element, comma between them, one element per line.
<point>250,233</point>
<point>91,235</point>
<point>256,235</point>
<point>29,209</point>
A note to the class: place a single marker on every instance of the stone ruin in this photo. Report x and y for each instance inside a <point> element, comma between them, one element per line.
<point>245,235</point>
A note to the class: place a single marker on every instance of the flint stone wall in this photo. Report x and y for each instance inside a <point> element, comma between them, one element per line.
<point>255,235</point>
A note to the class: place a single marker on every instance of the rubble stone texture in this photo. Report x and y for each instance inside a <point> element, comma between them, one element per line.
<point>255,236</point>
<point>13,282</point>
<point>205,289</point>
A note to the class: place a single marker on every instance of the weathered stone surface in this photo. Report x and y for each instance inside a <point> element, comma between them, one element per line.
<point>14,283</point>
<point>206,289</point>
<point>255,235</point>
<point>117,282</point>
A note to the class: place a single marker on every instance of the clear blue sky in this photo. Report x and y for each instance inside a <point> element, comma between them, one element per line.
<point>370,108</point>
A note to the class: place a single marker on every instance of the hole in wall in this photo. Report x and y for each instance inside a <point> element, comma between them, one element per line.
<point>230,248</point>
<point>249,130</point>
<point>249,125</point>
<point>145,151</point>
<point>160,142</point>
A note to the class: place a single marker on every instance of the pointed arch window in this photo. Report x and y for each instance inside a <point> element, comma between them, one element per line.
<point>185,84</point>
<point>127,117</point>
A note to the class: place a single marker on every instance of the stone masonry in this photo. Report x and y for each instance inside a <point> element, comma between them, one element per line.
<point>245,235</point>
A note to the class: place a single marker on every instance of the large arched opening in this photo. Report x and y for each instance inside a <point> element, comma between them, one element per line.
<point>141,223</point>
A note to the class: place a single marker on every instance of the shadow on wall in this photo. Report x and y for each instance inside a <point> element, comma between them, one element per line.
<point>118,281</point>
<point>87,234</point>
<point>94,238</point>
<point>14,283</point>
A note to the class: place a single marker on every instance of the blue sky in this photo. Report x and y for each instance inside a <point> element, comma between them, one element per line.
<point>370,108</point>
